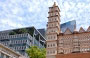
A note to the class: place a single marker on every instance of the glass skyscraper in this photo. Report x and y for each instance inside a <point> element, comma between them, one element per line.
<point>70,25</point>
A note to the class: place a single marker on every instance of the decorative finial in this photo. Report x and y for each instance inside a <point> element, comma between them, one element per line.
<point>54,4</point>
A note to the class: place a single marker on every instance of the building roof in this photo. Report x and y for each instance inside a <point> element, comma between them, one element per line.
<point>88,30</point>
<point>81,30</point>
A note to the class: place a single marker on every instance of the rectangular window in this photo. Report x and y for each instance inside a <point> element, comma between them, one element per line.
<point>2,55</point>
<point>7,56</point>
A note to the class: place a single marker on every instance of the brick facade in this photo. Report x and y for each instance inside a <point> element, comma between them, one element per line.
<point>74,55</point>
<point>68,44</point>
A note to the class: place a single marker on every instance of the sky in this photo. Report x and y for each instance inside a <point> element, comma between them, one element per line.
<point>26,13</point>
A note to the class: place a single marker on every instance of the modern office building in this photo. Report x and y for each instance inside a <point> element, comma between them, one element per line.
<point>22,38</point>
<point>42,31</point>
<point>71,25</point>
<point>6,52</point>
<point>64,40</point>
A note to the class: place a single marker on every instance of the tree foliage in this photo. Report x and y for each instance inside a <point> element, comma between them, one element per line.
<point>23,31</point>
<point>35,52</point>
<point>18,31</point>
<point>12,33</point>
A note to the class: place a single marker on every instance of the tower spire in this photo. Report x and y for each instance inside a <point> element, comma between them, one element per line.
<point>54,4</point>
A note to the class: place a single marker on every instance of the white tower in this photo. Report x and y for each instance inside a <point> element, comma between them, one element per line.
<point>53,29</point>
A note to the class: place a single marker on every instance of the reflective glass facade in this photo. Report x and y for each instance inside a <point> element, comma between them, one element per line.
<point>71,25</point>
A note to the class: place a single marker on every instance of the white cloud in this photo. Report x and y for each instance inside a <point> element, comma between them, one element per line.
<point>8,23</point>
<point>19,13</point>
<point>15,10</point>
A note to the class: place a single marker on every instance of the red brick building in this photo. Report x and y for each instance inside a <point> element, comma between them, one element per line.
<point>67,44</point>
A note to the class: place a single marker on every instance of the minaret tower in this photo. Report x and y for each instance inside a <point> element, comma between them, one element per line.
<point>53,29</point>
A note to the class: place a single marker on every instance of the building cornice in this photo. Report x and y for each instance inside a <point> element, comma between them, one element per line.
<point>62,34</point>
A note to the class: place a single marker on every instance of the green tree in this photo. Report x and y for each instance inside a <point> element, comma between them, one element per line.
<point>35,52</point>
<point>22,31</point>
<point>12,33</point>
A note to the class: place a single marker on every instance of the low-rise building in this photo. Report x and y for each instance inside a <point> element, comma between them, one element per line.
<point>6,52</point>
